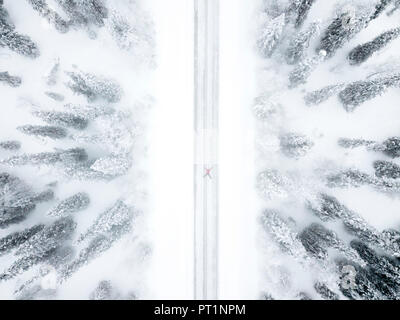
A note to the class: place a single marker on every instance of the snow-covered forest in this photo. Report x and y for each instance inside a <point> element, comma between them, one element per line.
<point>109,111</point>
<point>75,93</point>
<point>328,143</point>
